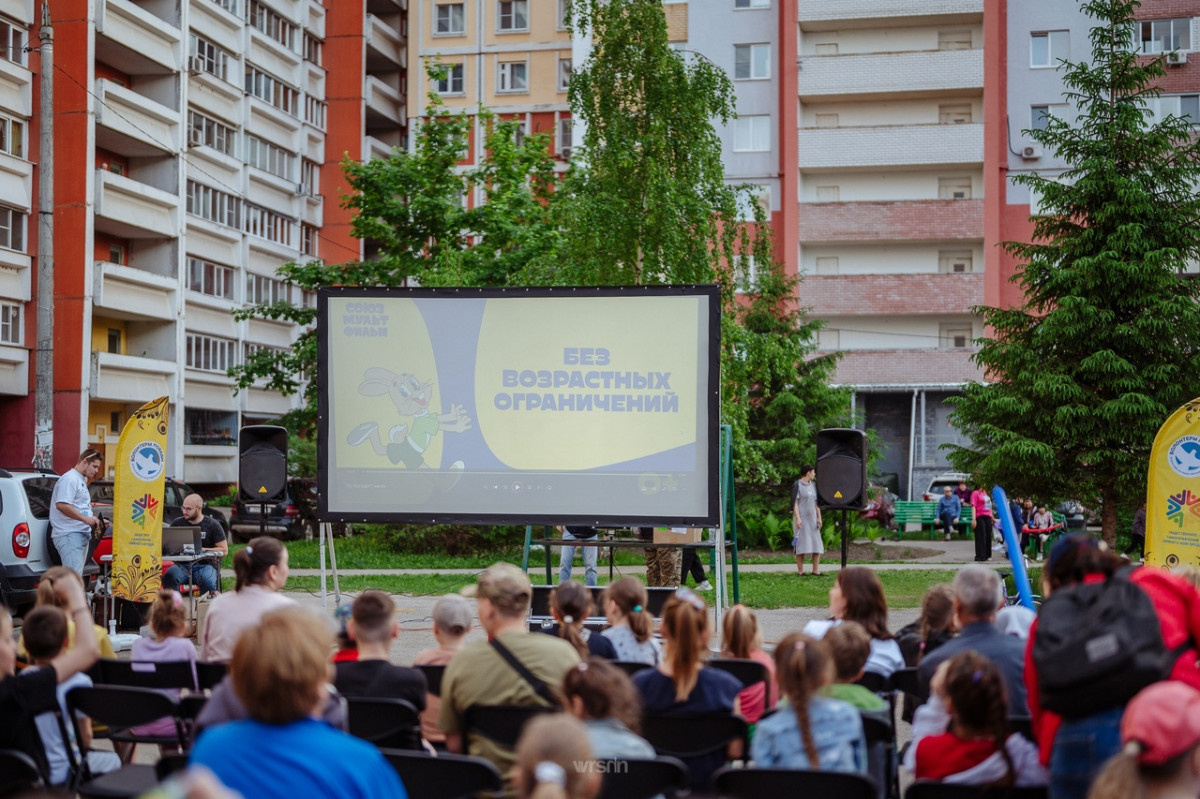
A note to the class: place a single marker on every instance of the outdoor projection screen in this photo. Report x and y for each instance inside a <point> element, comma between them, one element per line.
<point>519,406</point>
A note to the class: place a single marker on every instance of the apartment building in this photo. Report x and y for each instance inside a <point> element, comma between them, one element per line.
<point>191,152</point>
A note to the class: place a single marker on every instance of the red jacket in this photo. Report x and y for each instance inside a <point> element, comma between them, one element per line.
<point>1178,604</point>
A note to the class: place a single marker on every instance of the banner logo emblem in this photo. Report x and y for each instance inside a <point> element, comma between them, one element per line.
<point>147,461</point>
<point>143,509</point>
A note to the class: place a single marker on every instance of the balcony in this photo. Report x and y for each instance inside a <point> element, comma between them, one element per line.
<point>133,210</point>
<point>135,41</point>
<point>132,124</point>
<point>906,367</point>
<point>900,220</point>
<point>816,14</point>
<point>891,75</point>
<point>890,145</point>
<point>14,370</point>
<point>869,295</point>
<point>385,105</point>
<point>124,292</point>
<point>129,378</point>
<point>385,46</point>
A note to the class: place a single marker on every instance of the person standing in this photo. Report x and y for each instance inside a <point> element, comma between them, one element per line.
<point>566,554</point>
<point>662,563</point>
<point>806,521</point>
<point>982,504</point>
<point>204,573</point>
<point>71,521</point>
<point>1137,535</point>
<point>949,509</point>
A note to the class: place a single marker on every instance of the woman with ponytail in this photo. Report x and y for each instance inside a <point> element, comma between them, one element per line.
<point>1160,755</point>
<point>630,624</point>
<point>261,569</point>
<point>961,734</point>
<point>553,756</point>
<point>570,604</point>
<point>816,732</point>
<point>681,683</point>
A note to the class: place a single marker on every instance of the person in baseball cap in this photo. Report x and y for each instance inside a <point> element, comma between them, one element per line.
<point>1160,736</point>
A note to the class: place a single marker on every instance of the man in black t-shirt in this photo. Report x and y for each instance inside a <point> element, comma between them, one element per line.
<point>206,573</point>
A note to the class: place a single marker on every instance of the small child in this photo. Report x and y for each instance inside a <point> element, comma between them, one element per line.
<point>570,604</point>
<point>46,596</point>
<point>603,697</point>
<point>740,639</point>
<point>554,760</point>
<point>850,646</point>
<point>168,623</point>
<point>961,734</point>
<point>1160,753</point>
<point>45,632</point>
<point>631,627</point>
<point>818,732</point>
<point>451,623</point>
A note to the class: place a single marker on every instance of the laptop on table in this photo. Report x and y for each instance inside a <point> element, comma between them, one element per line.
<point>174,539</point>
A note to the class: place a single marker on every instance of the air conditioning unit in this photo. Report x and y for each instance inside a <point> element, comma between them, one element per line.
<point>1176,58</point>
<point>1031,152</point>
<point>195,137</point>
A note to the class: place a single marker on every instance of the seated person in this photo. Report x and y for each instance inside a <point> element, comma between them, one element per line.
<point>373,626</point>
<point>203,573</point>
<point>451,623</point>
<point>554,760</point>
<point>602,696</point>
<point>949,509</point>
<point>45,630</point>
<point>570,605</point>
<point>850,646</point>
<point>740,639</point>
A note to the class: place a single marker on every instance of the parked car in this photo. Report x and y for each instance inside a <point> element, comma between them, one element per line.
<point>292,518</point>
<point>174,492</point>
<point>880,507</point>
<point>952,479</point>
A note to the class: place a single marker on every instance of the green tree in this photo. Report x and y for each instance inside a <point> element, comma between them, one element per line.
<point>1107,341</point>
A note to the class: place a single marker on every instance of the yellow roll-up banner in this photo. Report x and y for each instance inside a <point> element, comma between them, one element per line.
<point>1173,493</point>
<point>138,503</point>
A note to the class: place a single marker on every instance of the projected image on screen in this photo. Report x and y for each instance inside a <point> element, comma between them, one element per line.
<point>519,405</point>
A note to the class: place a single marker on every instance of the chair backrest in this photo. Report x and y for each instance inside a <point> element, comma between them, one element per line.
<point>640,778</point>
<point>121,705</point>
<point>630,667</point>
<point>873,681</point>
<point>928,789</point>
<point>905,680</point>
<point>689,735</point>
<point>170,764</point>
<point>754,783</point>
<point>18,772</point>
<point>433,678</point>
<point>148,674</point>
<point>749,672</point>
<point>502,724</point>
<point>393,723</point>
<point>1021,724</point>
<point>877,726</point>
<point>209,674</point>
<point>445,776</point>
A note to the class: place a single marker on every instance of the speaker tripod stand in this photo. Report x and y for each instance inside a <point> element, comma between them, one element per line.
<point>327,541</point>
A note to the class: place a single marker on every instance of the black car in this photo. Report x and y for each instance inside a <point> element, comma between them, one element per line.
<point>292,518</point>
<point>174,492</point>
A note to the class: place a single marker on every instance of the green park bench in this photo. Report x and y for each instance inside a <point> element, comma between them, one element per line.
<point>924,514</point>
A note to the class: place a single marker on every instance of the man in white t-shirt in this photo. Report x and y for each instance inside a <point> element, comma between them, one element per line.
<point>71,519</point>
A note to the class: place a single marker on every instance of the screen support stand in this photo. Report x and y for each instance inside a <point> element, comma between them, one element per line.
<point>845,536</point>
<point>327,540</point>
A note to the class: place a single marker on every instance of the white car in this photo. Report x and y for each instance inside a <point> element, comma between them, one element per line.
<point>24,533</point>
<point>952,479</point>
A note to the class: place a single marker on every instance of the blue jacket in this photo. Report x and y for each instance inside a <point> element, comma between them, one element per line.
<point>949,505</point>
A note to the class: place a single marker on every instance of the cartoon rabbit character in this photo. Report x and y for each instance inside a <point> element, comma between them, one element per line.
<point>411,397</point>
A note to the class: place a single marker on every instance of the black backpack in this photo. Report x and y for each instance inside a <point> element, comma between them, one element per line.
<point>1096,645</point>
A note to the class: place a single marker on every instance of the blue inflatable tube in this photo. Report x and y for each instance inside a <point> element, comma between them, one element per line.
<point>1012,543</point>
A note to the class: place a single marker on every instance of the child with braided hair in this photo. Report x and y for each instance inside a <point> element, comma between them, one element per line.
<point>961,734</point>
<point>570,604</point>
<point>817,732</point>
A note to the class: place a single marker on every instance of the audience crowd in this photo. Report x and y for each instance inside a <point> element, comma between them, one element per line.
<point>1097,696</point>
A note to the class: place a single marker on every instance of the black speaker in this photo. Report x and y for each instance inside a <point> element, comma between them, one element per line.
<point>262,464</point>
<point>842,468</point>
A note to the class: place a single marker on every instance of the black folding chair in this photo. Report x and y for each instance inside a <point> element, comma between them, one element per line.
<point>209,674</point>
<point>640,778</point>
<point>148,674</point>
<point>1023,725</point>
<point>880,733</point>
<point>630,667</point>
<point>387,723</point>
<point>445,776</point>
<point>748,672</point>
<point>502,724</point>
<point>169,764</point>
<point>928,789</point>
<point>696,739</point>
<point>873,681</point>
<point>433,678</point>
<point>755,783</point>
<point>18,773</point>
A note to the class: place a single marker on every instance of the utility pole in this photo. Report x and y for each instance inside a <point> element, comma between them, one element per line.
<point>43,428</point>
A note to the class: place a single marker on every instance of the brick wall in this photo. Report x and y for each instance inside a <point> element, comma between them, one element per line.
<point>899,220</point>
<point>677,21</point>
<point>906,367</point>
<point>922,294</point>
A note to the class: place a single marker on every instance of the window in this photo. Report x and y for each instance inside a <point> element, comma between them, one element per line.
<point>12,136</point>
<point>12,41</point>
<point>12,229</point>
<point>209,278</point>
<point>828,265</point>
<point>1164,35</point>
<point>564,74</point>
<point>954,261</point>
<point>751,3</point>
<point>751,61</point>
<point>752,134</point>
<point>203,130</point>
<point>956,188</point>
<point>562,15</point>
<point>954,40</point>
<point>209,353</point>
<point>232,7</point>
<point>308,177</point>
<point>207,57</point>
<point>262,289</point>
<point>10,323</point>
<point>954,336</point>
<point>1037,116</point>
<point>518,131</point>
<point>512,76</point>
<point>266,224</point>
<point>449,19</point>
<point>270,157</point>
<point>752,200</point>
<point>314,112</point>
<point>211,204</point>
<point>828,194</point>
<point>114,340</point>
<point>565,138</point>
<point>270,22</point>
<point>956,114</point>
<point>308,240</point>
<point>214,428</point>
<point>745,272</point>
<point>452,82</point>
<point>116,254</point>
<point>314,49</point>
<point>514,15</point>
<point>1181,105</point>
<point>272,90</point>
<point>1047,49</point>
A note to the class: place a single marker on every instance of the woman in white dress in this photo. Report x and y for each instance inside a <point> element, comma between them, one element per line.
<point>806,521</point>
